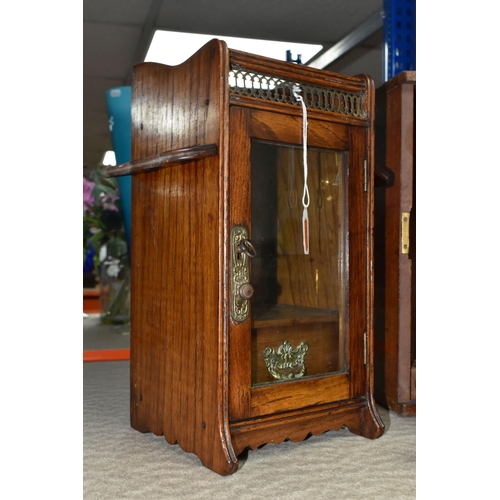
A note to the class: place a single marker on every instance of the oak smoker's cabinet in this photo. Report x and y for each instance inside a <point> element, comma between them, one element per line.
<point>250,325</point>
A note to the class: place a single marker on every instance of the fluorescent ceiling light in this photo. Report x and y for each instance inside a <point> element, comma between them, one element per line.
<point>109,158</point>
<point>173,48</point>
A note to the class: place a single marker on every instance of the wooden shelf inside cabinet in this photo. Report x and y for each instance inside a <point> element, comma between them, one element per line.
<point>243,330</point>
<point>395,245</point>
<point>285,315</point>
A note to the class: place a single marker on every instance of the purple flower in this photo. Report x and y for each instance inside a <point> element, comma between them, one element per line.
<point>88,199</point>
<point>108,202</point>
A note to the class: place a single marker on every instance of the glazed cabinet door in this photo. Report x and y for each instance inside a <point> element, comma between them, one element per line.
<point>298,288</point>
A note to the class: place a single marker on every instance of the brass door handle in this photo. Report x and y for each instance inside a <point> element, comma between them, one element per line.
<point>245,291</point>
<point>246,247</point>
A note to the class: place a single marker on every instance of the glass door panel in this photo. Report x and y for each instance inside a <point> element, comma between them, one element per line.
<point>299,304</point>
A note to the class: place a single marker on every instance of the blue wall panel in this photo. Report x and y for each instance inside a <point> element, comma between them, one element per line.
<point>119,102</point>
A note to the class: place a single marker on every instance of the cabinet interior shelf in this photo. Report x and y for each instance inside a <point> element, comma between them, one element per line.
<point>285,315</point>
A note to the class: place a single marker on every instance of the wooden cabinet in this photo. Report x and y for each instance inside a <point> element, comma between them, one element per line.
<point>250,323</point>
<point>395,245</point>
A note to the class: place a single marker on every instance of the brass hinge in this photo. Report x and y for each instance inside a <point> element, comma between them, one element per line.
<point>365,347</point>
<point>365,176</point>
<point>405,232</point>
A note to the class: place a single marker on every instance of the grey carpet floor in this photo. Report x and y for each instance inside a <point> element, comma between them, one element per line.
<point>121,463</point>
<point>97,335</point>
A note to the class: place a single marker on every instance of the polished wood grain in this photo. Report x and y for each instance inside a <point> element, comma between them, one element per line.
<point>287,396</point>
<point>240,346</point>
<point>161,160</point>
<point>195,376</point>
<point>395,274</point>
<point>359,258</point>
<point>177,375</point>
<point>297,425</point>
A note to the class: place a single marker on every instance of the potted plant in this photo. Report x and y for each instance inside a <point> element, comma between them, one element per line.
<point>105,256</point>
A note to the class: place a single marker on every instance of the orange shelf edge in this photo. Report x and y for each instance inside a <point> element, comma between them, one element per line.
<point>91,300</point>
<point>106,355</point>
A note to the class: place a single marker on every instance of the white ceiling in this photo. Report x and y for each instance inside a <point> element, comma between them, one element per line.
<point>117,34</point>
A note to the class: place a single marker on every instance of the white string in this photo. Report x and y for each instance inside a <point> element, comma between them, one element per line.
<point>305,195</point>
<point>304,139</point>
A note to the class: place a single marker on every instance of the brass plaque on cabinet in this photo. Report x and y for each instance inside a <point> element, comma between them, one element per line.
<point>405,232</point>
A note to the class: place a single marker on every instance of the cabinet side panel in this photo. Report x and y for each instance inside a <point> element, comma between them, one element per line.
<point>177,373</point>
<point>406,260</point>
<point>147,330</point>
<point>395,261</point>
<point>175,377</point>
<point>396,272</point>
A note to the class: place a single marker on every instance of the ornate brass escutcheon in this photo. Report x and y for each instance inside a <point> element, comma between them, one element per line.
<point>286,363</point>
<point>241,290</point>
